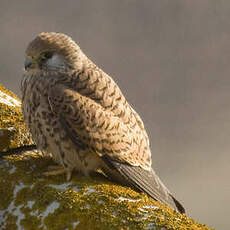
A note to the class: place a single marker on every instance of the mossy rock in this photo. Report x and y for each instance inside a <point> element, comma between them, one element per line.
<point>13,132</point>
<point>31,201</point>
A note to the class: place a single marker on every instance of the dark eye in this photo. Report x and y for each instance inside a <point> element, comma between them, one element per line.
<point>44,57</point>
<point>47,55</point>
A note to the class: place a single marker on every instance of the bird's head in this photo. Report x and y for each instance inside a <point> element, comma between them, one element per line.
<point>53,52</point>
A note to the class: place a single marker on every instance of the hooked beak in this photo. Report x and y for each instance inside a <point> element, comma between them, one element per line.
<point>28,63</point>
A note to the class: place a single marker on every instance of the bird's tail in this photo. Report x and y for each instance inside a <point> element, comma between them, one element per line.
<point>144,181</point>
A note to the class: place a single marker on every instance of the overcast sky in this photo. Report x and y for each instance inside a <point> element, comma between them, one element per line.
<point>172,61</point>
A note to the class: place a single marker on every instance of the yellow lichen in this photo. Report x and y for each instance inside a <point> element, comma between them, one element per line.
<point>13,132</point>
<point>10,222</point>
<point>8,92</point>
<point>84,203</point>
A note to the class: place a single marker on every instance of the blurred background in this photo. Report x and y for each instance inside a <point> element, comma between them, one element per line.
<point>172,61</point>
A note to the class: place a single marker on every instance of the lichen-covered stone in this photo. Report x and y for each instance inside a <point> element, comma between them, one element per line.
<point>13,132</point>
<point>31,201</point>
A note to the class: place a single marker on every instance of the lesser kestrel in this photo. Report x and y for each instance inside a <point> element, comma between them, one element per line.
<point>78,114</point>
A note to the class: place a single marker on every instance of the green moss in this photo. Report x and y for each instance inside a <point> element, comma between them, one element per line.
<point>7,187</point>
<point>10,222</point>
<point>3,89</point>
<point>10,116</point>
<point>13,132</point>
<point>84,203</point>
<point>31,222</point>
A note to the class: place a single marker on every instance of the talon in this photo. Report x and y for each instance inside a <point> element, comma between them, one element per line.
<point>54,167</point>
<point>54,170</point>
<point>68,174</point>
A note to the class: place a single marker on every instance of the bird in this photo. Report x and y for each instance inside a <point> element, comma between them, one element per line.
<point>77,114</point>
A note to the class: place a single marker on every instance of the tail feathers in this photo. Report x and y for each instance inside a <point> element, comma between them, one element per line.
<point>179,206</point>
<point>144,181</point>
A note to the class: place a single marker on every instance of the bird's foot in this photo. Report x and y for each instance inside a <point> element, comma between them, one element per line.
<point>54,170</point>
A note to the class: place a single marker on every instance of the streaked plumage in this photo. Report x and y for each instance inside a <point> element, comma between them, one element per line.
<point>77,113</point>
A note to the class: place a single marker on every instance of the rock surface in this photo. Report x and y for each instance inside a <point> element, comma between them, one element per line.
<point>13,132</point>
<point>31,201</point>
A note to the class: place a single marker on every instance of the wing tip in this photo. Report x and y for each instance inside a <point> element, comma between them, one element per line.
<point>138,179</point>
<point>179,206</point>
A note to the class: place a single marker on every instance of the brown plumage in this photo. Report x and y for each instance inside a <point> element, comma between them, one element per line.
<point>78,114</point>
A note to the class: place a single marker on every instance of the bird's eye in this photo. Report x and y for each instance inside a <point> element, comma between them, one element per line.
<point>47,55</point>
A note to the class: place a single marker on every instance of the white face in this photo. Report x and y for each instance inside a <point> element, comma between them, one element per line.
<point>46,61</point>
<point>55,62</point>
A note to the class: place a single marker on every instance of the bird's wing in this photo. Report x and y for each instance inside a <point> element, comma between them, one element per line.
<point>96,128</point>
<point>95,84</point>
<point>91,127</point>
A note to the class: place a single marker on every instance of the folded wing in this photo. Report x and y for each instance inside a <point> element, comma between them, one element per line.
<point>91,127</point>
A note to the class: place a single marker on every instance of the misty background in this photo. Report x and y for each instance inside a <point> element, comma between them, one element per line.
<point>172,61</point>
